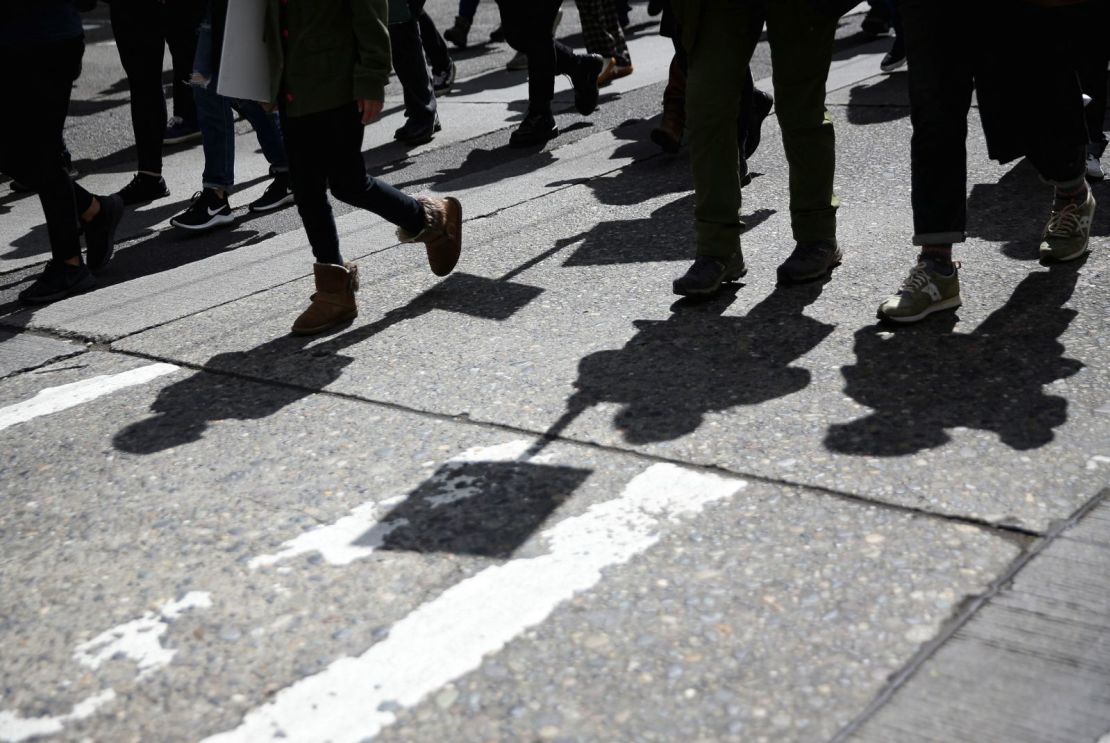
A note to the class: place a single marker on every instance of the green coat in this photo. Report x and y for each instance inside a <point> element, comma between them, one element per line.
<point>329,53</point>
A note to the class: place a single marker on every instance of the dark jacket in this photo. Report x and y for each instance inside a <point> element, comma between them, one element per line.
<point>326,53</point>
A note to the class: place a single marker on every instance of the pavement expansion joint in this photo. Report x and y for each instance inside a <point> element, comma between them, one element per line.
<point>1018,535</point>
<point>963,615</point>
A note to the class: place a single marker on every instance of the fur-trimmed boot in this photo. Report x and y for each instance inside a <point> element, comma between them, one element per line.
<point>333,303</point>
<point>668,135</point>
<point>442,234</point>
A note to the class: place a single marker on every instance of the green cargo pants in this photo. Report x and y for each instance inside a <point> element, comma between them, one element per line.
<point>719,43</point>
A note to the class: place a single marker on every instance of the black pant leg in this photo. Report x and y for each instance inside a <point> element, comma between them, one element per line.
<point>29,141</point>
<point>138,26</point>
<point>412,70</point>
<point>182,19</point>
<point>435,47</point>
<point>305,138</point>
<point>527,25</point>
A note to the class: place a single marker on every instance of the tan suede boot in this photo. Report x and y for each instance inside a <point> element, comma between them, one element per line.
<point>668,135</point>
<point>442,235</point>
<point>334,301</point>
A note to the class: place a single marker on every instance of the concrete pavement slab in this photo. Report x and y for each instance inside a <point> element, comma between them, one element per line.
<point>22,351</point>
<point>178,552</point>
<point>988,413</point>
<point>1032,665</point>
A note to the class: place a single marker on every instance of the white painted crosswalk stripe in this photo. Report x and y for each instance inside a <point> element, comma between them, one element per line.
<point>63,397</point>
<point>449,636</point>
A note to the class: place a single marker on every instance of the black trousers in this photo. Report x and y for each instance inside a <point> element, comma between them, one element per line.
<point>412,70</point>
<point>142,29</point>
<point>1018,61</point>
<point>29,141</point>
<point>325,152</point>
<point>527,26</point>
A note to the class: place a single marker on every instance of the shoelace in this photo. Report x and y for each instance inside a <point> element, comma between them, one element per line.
<point>918,278</point>
<point>1063,223</point>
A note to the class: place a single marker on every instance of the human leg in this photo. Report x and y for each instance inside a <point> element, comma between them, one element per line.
<point>416,84</point>
<point>138,29</point>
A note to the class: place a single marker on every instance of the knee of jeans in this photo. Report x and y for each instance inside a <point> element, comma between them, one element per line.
<point>349,193</point>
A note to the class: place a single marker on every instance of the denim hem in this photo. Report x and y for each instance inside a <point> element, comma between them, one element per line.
<point>939,238</point>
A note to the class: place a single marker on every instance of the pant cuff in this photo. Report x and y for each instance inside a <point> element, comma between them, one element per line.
<point>1071,183</point>
<point>217,186</point>
<point>939,238</point>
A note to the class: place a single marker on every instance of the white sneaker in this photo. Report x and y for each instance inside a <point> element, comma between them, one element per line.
<point>1094,168</point>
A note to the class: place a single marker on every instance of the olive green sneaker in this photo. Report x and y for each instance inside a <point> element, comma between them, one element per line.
<point>923,292</point>
<point>1068,232</point>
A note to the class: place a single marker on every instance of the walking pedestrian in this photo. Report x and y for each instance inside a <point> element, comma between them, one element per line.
<point>325,101</point>
<point>211,206</point>
<point>529,29</point>
<point>44,41</point>
<point>1019,58</point>
<point>719,37</point>
<point>142,30</point>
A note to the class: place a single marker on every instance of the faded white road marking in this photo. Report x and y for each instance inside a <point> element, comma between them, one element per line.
<point>1096,460</point>
<point>63,397</point>
<point>354,698</point>
<point>14,728</point>
<point>356,536</point>
<point>140,639</point>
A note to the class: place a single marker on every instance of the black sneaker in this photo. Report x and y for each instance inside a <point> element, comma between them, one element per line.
<point>585,82</point>
<point>414,132</point>
<point>100,233</point>
<point>276,195</point>
<point>810,260</point>
<point>58,281</point>
<point>895,59</point>
<point>143,189</point>
<point>876,22</point>
<point>443,80</point>
<point>535,129</point>
<point>706,274</point>
<point>179,130</point>
<point>208,210</point>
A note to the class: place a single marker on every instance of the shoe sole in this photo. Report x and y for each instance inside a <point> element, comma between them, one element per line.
<point>1047,254</point>
<point>535,142</point>
<point>716,288</point>
<point>454,214</point>
<point>181,140</point>
<point>280,204</point>
<point>894,67</point>
<point>948,304</point>
<point>785,279</point>
<point>216,221</point>
<point>665,142</point>
<point>342,320</point>
<point>79,289</point>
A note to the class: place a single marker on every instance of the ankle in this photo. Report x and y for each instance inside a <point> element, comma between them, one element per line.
<point>940,256</point>
<point>1074,195</point>
<point>90,214</point>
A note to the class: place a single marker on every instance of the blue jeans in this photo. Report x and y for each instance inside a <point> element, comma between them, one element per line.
<point>217,125</point>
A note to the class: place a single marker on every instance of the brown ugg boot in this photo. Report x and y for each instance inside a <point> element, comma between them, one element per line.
<point>334,301</point>
<point>668,135</point>
<point>442,234</point>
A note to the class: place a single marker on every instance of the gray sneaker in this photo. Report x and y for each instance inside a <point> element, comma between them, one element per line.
<point>923,292</point>
<point>1068,231</point>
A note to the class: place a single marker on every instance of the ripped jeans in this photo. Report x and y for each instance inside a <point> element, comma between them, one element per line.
<point>217,124</point>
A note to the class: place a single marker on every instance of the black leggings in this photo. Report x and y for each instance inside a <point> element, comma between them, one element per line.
<point>29,141</point>
<point>325,152</point>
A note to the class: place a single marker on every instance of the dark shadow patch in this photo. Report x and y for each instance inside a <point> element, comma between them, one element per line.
<point>923,378</point>
<point>674,371</point>
<point>488,509</point>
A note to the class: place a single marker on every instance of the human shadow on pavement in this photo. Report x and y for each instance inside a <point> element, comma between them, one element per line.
<point>300,365</point>
<point>487,509</point>
<point>878,101</point>
<point>923,378</point>
<point>1014,210</point>
<point>675,371</point>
